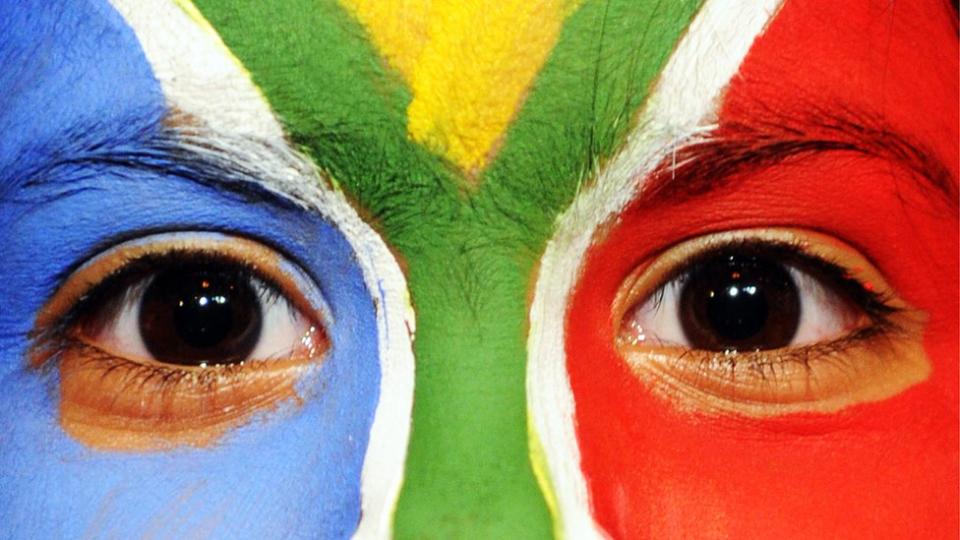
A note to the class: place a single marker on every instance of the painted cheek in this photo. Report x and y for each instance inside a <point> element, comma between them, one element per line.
<point>76,87</point>
<point>884,469</point>
<point>653,470</point>
<point>267,477</point>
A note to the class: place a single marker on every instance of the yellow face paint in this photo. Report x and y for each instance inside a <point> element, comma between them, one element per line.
<point>538,460</point>
<point>468,63</point>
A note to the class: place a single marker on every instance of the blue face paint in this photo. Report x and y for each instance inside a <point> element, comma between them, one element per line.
<point>293,472</point>
<point>67,67</point>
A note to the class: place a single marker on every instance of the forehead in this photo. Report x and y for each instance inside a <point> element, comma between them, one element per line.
<point>406,85</point>
<point>63,65</point>
<point>411,94</point>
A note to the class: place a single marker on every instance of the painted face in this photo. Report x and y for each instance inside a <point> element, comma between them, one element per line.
<point>584,268</point>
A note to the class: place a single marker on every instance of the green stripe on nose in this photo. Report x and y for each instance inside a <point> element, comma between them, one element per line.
<point>470,253</point>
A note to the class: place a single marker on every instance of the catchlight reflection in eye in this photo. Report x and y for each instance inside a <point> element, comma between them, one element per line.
<point>174,339</point>
<point>766,322</point>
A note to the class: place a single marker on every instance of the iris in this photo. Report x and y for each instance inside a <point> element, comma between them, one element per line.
<point>201,313</point>
<point>735,301</point>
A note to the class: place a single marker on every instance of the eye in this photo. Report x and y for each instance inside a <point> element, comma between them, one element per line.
<point>177,338</point>
<point>767,322</point>
<point>749,298</point>
<point>198,311</point>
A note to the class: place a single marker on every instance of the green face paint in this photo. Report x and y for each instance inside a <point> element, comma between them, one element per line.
<point>470,247</point>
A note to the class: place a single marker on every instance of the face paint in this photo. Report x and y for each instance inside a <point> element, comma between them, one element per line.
<point>147,171</point>
<point>675,112</point>
<point>469,256</point>
<point>462,104</point>
<point>652,129</point>
<point>652,460</point>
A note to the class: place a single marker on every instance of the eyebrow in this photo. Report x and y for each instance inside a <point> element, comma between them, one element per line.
<point>253,171</point>
<point>712,163</point>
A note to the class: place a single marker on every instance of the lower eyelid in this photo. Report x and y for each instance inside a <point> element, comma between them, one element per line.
<point>871,365</point>
<point>116,404</point>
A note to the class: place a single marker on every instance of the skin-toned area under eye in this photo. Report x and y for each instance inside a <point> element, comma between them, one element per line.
<point>866,359</point>
<point>111,399</point>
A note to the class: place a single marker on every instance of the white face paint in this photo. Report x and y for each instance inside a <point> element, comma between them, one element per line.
<point>206,85</point>
<point>681,107</point>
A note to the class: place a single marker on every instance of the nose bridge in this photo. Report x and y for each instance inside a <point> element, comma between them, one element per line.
<point>470,235</point>
<point>468,470</point>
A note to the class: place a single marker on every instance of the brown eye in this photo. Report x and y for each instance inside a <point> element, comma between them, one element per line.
<point>201,313</point>
<point>739,301</point>
<point>194,310</point>
<point>174,340</point>
<point>750,297</point>
<point>766,322</point>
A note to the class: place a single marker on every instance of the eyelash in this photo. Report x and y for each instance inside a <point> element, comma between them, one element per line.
<point>126,386</point>
<point>162,380</point>
<point>875,305</point>
<point>123,279</point>
<point>765,362</point>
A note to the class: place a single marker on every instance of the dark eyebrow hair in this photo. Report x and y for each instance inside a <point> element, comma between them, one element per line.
<point>232,166</point>
<point>711,163</point>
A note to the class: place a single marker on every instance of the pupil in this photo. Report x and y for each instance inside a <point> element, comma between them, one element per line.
<point>736,301</point>
<point>200,313</point>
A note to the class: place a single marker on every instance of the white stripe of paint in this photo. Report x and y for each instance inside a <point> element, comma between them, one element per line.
<point>202,79</point>
<point>682,106</point>
<point>197,73</point>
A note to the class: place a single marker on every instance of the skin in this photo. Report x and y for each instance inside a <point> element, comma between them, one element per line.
<point>469,225</point>
<point>181,490</point>
<point>469,256</point>
<point>887,472</point>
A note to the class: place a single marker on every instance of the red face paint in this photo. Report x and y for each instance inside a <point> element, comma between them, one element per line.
<point>886,469</point>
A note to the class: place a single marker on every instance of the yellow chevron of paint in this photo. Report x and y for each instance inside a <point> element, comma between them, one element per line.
<point>468,63</point>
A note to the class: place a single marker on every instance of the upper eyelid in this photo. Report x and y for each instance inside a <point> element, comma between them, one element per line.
<point>261,172</point>
<point>307,283</point>
<point>877,305</point>
<point>681,268</point>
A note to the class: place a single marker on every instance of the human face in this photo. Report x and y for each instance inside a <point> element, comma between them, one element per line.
<point>470,239</point>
